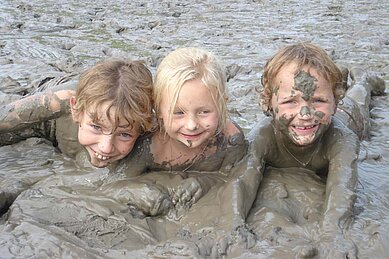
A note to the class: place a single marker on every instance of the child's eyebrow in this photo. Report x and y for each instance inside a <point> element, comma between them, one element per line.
<point>125,126</point>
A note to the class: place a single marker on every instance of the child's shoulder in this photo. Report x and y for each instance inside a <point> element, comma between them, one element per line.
<point>234,135</point>
<point>262,129</point>
<point>339,134</point>
<point>232,128</point>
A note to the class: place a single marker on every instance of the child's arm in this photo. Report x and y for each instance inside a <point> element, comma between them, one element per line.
<point>236,147</point>
<point>341,181</point>
<point>25,112</point>
<point>240,191</point>
<point>340,194</point>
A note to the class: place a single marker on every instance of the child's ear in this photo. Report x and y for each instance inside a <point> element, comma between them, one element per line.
<point>72,103</point>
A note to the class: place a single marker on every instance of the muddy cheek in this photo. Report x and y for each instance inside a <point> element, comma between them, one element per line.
<point>322,117</point>
<point>284,120</point>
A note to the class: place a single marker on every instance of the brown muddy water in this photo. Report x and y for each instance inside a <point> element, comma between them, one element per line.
<point>59,217</point>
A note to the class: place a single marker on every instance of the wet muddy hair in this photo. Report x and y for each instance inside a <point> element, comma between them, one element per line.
<point>187,64</point>
<point>304,54</point>
<point>126,86</point>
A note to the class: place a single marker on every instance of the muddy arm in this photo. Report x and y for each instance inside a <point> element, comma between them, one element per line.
<point>23,113</point>
<point>241,190</point>
<point>236,148</point>
<point>341,183</point>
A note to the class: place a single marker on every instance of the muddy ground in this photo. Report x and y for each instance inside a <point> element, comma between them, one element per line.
<point>45,39</point>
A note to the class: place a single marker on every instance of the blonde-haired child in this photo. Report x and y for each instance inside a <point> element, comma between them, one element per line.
<point>194,133</point>
<point>302,89</point>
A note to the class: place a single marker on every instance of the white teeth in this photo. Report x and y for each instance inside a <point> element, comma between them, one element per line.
<point>99,156</point>
<point>307,127</point>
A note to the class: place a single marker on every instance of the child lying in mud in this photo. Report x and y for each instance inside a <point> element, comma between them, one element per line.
<point>195,134</point>
<point>111,107</point>
<point>311,127</point>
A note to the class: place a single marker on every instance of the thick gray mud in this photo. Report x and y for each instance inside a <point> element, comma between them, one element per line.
<point>62,215</point>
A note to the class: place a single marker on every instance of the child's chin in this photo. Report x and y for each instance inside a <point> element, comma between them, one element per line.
<point>303,141</point>
<point>98,163</point>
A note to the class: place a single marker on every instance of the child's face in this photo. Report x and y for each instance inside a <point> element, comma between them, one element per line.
<point>302,105</point>
<point>103,145</point>
<point>195,117</point>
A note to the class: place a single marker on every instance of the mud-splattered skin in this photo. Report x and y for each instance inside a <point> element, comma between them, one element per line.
<point>39,114</point>
<point>32,110</point>
<point>302,105</point>
<point>43,115</point>
<point>303,133</point>
<point>219,155</point>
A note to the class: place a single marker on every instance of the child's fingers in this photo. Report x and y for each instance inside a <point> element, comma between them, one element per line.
<point>185,197</point>
<point>197,195</point>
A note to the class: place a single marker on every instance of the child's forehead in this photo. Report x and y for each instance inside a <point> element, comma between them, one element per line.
<point>291,73</point>
<point>108,116</point>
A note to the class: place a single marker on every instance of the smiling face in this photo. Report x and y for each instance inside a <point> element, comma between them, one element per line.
<point>302,104</point>
<point>103,143</point>
<point>194,119</point>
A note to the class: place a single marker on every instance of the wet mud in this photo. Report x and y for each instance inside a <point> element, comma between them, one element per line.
<point>66,214</point>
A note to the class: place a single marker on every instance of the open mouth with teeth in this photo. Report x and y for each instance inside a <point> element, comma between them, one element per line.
<point>101,157</point>
<point>304,129</point>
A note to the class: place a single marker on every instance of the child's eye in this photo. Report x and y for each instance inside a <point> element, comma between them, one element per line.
<point>95,127</point>
<point>178,113</point>
<point>319,100</point>
<point>125,136</point>
<point>290,101</point>
<point>204,112</point>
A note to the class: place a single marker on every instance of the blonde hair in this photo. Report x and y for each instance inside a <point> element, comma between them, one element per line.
<point>304,54</point>
<point>125,85</point>
<point>186,64</point>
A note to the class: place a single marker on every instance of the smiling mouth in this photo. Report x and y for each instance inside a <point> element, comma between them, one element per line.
<point>304,127</point>
<point>101,157</point>
<point>191,136</point>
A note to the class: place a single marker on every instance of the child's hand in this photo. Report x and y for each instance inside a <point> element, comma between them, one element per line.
<point>188,192</point>
<point>143,199</point>
<point>154,201</point>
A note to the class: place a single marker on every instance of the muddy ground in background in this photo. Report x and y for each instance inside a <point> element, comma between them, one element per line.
<point>45,39</point>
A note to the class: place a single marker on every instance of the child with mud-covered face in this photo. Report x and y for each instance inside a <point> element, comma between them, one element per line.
<point>110,108</point>
<point>301,89</point>
<point>195,134</point>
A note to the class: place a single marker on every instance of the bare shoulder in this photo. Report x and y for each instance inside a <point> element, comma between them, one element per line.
<point>262,130</point>
<point>234,134</point>
<point>65,94</point>
<point>232,128</point>
<point>339,138</point>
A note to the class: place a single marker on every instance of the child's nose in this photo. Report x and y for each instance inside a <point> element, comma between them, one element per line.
<point>106,144</point>
<point>191,123</point>
<point>305,111</point>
